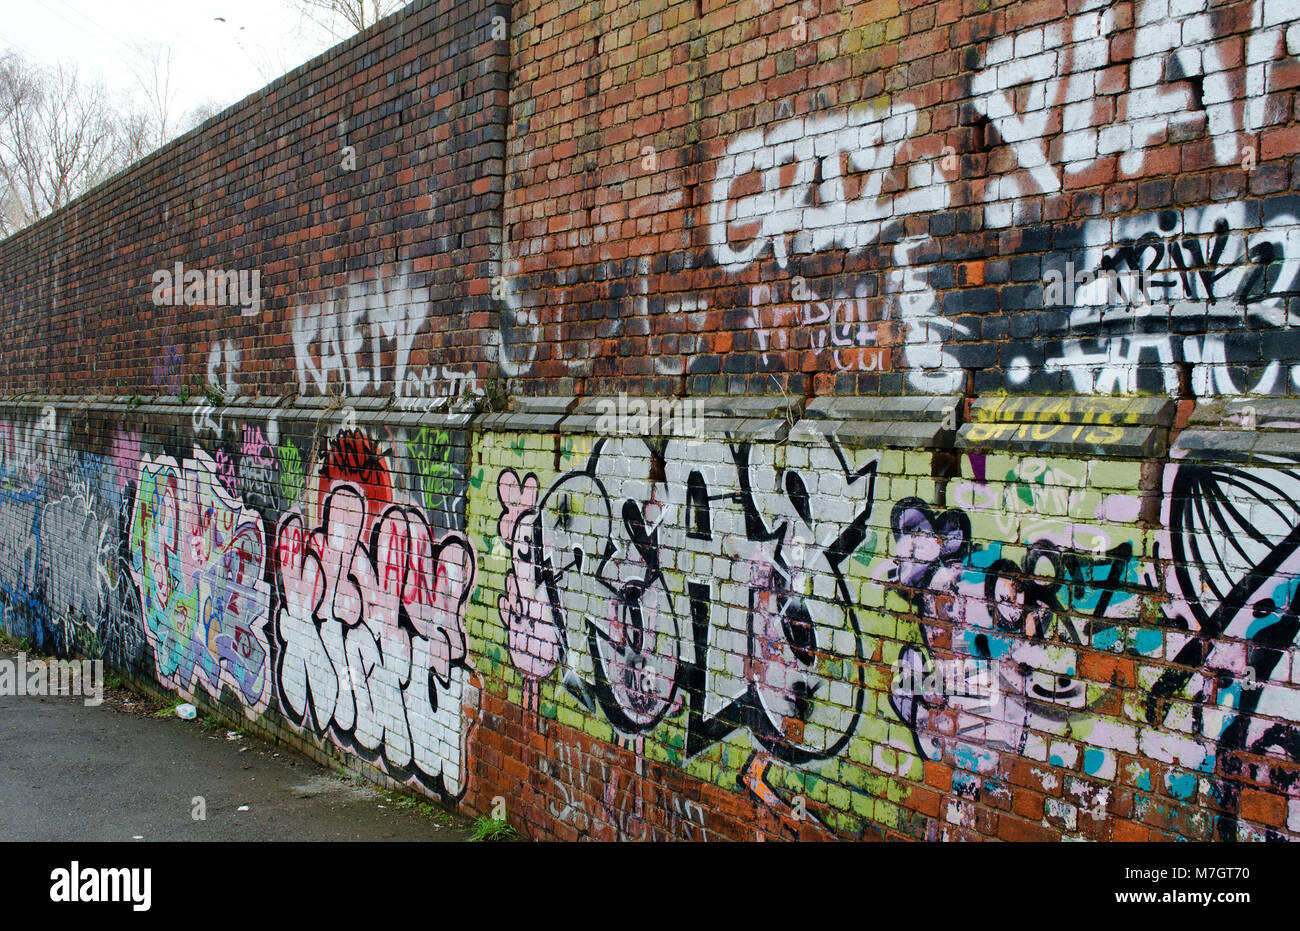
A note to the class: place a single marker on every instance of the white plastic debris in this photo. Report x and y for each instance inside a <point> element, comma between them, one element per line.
<point>243,808</point>
<point>186,711</point>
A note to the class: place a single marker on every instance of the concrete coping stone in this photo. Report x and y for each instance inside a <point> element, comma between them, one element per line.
<point>1094,426</point>
<point>1111,442</point>
<point>1264,429</point>
<point>1249,414</point>
<point>922,408</point>
<point>867,434</point>
<point>518,422</point>
<point>536,405</point>
<point>740,407</point>
<point>1092,409</point>
<point>1273,447</point>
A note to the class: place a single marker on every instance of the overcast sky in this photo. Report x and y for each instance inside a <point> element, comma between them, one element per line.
<point>212,60</point>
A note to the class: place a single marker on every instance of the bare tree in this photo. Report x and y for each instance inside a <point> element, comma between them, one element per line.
<point>15,83</point>
<point>344,17</point>
<point>198,115</point>
<point>141,130</point>
<point>152,68</point>
<point>59,136</point>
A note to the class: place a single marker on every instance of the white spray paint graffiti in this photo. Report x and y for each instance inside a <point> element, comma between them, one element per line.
<point>790,156</point>
<point>842,326</point>
<point>642,625</point>
<point>820,182</point>
<point>436,382</point>
<point>600,799</point>
<point>1028,74</point>
<point>28,449</point>
<point>224,360</point>
<point>519,334</point>
<point>343,341</point>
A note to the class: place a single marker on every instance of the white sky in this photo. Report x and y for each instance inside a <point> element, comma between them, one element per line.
<point>214,61</point>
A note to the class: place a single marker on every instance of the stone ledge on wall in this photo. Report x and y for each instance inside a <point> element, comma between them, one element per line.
<point>326,411</point>
<point>745,417</point>
<point>925,422</point>
<point>530,414</point>
<point>1258,430</point>
<point>1112,427</point>
<point>1108,427</point>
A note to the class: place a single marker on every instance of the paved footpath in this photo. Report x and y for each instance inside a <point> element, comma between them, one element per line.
<point>117,772</point>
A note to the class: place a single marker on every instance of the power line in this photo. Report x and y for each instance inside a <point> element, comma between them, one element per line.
<point>80,23</point>
<point>27,51</point>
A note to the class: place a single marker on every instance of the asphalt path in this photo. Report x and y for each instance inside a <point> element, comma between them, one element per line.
<point>118,771</point>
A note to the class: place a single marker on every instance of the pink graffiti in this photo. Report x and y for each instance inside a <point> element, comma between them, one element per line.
<point>534,644</point>
<point>126,455</point>
<point>255,447</point>
<point>225,470</point>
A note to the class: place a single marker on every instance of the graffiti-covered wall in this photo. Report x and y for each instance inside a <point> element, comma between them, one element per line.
<point>778,624</point>
<point>305,575</point>
<point>715,419</point>
<point>920,197</point>
<point>840,638</point>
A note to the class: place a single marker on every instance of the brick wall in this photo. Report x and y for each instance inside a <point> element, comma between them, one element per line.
<point>362,190</point>
<point>703,420</point>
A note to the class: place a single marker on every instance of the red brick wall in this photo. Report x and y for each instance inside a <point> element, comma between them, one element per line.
<point>263,187</point>
<point>896,250</point>
<point>937,162</point>
<point>1026,132</point>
